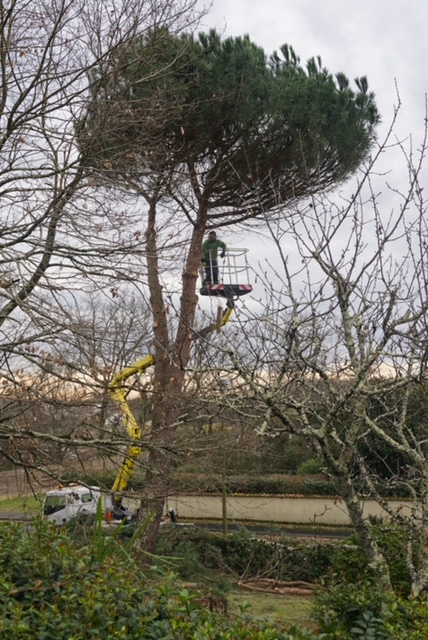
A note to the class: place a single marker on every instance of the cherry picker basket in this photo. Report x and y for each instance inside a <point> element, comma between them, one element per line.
<point>229,277</point>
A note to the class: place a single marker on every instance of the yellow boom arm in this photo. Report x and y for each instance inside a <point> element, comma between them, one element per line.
<point>118,392</point>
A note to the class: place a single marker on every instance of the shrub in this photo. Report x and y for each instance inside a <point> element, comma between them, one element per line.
<point>273,484</point>
<point>54,589</point>
<point>349,563</point>
<point>352,605</point>
<point>363,610</point>
<point>312,466</point>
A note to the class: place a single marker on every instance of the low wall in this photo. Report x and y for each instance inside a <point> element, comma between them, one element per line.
<point>281,509</point>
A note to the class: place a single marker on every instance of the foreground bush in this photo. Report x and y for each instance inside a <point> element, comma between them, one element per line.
<point>352,605</point>
<point>348,605</point>
<point>363,610</point>
<point>349,564</point>
<point>52,588</point>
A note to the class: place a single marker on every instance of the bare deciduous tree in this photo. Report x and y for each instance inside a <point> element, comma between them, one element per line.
<point>339,352</point>
<point>61,237</point>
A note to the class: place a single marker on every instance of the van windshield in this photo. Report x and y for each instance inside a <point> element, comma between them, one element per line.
<point>53,504</point>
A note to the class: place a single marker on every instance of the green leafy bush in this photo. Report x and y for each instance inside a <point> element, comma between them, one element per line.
<point>349,563</point>
<point>364,611</point>
<point>310,466</point>
<point>352,605</point>
<point>52,588</point>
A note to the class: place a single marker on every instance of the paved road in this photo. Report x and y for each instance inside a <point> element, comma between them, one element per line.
<point>260,529</point>
<point>15,515</point>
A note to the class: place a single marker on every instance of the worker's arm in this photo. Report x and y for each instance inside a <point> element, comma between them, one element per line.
<point>222,245</point>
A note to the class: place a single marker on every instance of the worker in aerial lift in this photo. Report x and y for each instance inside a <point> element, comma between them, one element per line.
<point>210,250</point>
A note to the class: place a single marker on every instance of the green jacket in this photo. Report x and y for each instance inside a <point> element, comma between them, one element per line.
<point>210,250</point>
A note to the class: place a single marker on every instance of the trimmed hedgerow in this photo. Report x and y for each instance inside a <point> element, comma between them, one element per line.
<point>268,484</point>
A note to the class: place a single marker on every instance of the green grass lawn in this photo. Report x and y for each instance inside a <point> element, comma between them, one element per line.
<point>286,610</point>
<point>28,504</point>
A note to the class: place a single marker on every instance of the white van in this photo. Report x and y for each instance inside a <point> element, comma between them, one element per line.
<point>66,502</point>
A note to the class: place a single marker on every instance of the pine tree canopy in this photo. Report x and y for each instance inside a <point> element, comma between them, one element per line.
<point>255,132</point>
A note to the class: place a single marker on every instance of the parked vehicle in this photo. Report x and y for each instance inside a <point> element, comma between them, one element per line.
<point>66,502</point>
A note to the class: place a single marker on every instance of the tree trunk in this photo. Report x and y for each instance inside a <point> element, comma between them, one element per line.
<point>170,368</point>
<point>373,553</point>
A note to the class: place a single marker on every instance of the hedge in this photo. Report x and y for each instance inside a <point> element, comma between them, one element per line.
<point>273,484</point>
